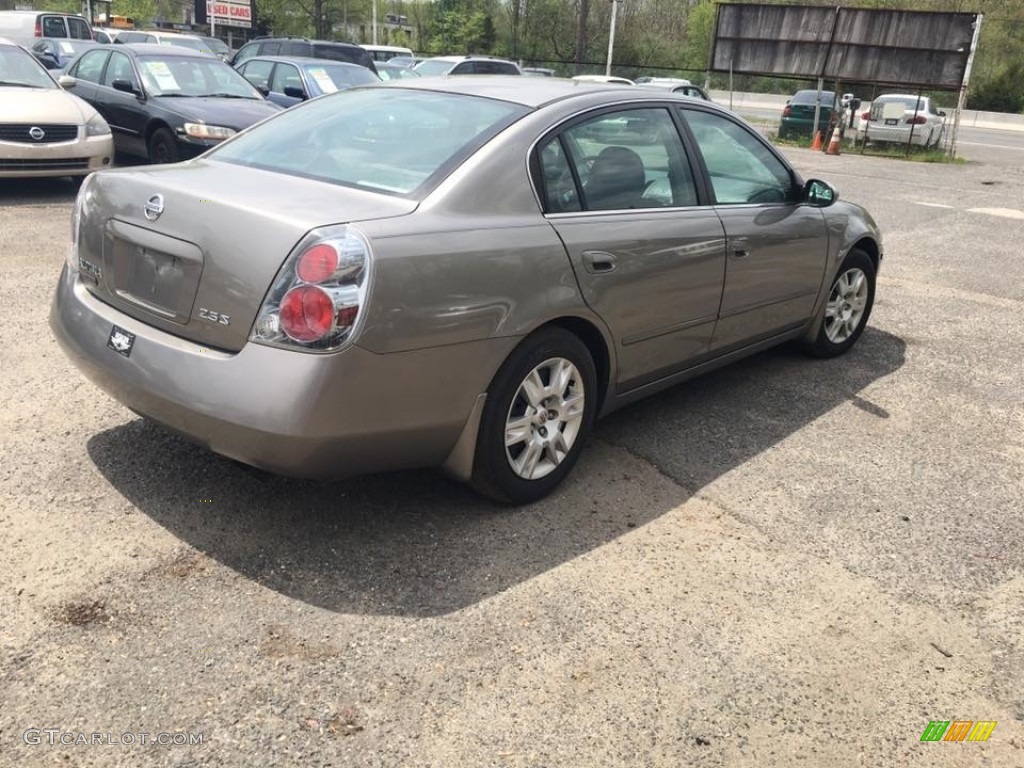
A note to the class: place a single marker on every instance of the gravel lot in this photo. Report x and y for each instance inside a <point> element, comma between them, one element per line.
<point>788,562</point>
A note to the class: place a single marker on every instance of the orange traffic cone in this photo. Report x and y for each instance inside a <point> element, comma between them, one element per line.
<point>833,143</point>
<point>816,144</point>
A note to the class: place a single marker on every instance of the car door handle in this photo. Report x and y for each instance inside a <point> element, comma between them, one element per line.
<point>598,261</point>
<point>740,253</point>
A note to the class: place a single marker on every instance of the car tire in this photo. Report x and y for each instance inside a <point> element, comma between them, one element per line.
<point>162,147</point>
<point>848,305</point>
<point>546,413</point>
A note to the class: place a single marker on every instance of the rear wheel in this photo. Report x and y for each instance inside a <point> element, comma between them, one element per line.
<point>539,412</point>
<point>162,147</point>
<point>848,307</point>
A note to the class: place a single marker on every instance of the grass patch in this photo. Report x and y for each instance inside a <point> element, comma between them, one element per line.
<point>894,151</point>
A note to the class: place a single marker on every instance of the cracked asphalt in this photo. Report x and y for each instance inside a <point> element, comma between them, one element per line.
<point>786,562</point>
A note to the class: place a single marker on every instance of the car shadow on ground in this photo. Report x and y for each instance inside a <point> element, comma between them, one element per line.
<point>44,191</point>
<point>417,544</point>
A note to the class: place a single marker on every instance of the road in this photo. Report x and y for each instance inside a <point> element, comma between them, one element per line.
<point>787,562</point>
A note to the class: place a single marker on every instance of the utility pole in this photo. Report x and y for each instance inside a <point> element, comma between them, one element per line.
<point>374,22</point>
<point>611,39</point>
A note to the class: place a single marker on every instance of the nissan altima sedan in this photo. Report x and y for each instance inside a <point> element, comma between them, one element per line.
<point>452,272</point>
<point>45,131</point>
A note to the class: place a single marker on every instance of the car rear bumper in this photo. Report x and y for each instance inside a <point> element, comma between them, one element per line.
<point>67,158</point>
<point>292,413</point>
<point>898,135</point>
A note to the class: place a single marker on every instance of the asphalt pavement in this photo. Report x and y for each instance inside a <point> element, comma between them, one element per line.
<point>786,562</point>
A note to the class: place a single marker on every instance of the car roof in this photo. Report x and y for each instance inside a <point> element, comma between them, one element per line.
<point>536,92</point>
<point>456,59</point>
<point>304,60</point>
<point>278,38</point>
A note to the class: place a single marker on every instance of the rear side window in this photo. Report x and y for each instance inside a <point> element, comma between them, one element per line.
<point>296,48</point>
<point>53,26</point>
<point>257,73</point>
<point>270,49</point>
<point>78,29</point>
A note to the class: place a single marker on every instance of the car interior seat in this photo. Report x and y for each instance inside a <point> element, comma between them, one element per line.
<point>616,180</point>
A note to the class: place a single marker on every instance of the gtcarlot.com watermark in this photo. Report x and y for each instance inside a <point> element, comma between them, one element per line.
<point>56,737</point>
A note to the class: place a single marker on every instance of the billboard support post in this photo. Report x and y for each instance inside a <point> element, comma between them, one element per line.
<point>962,100</point>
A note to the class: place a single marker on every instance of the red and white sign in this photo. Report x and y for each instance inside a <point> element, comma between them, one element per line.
<point>230,14</point>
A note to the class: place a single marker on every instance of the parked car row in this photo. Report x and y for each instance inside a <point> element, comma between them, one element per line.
<point>889,119</point>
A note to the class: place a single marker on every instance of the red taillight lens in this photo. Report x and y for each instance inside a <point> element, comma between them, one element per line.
<point>865,116</point>
<point>787,111</point>
<point>919,120</point>
<point>315,302</point>
<point>318,263</point>
<point>39,28</point>
<point>307,313</point>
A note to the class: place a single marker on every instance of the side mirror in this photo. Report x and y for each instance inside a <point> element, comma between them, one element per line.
<point>294,92</point>
<point>125,86</point>
<point>942,113</point>
<point>819,193</point>
<point>66,82</point>
<point>262,89</point>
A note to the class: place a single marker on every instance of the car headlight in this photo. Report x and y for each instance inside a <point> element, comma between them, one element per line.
<point>212,132</point>
<point>97,126</point>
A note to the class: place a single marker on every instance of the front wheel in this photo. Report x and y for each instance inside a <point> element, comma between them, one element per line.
<point>162,147</point>
<point>848,307</point>
<point>539,412</point>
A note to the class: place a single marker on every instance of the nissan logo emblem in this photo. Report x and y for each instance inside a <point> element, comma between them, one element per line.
<point>154,207</point>
<point>36,133</point>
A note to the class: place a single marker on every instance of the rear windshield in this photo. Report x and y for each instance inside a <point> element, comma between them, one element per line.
<point>387,140</point>
<point>911,103</point>
<point>352,54</point>
<point>809,97</point>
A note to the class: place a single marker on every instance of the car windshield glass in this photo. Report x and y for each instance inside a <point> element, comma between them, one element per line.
<point>18,68</point>
<point>387,140</point>
<point>331,77</point>
<point>185,42</point>
<point>910,102</point>
<point>809,97</point>
<point>193,76</point>
<point>74,47</point>
<point>433,67</point>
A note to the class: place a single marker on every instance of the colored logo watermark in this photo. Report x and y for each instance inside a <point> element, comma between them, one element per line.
<point>958,730</point>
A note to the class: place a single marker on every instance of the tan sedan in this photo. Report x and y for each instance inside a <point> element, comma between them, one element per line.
<point>45,131</point>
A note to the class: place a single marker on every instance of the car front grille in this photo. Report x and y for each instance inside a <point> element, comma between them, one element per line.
<point>45,164</point>
<point>52,133</point>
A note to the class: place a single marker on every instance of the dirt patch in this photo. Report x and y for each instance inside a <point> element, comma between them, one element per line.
<point>82,613</point>
<point>280,643</point>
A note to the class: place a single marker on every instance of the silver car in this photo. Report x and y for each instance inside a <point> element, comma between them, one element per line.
<point>460,272</point>
<point>902,119</point>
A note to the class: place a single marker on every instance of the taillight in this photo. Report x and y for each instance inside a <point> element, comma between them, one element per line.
<point>865,116</point>
<point>316,300</point>
<point>39,27</point>
<point>787,111</point>
<point>919,120</point>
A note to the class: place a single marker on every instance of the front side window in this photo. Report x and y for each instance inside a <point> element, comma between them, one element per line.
<point>119,68</point>
<point>392,141</point>
<point>90,66</point>
<point>741,167</point>
<point>630,159</point>
<point>284,76</point>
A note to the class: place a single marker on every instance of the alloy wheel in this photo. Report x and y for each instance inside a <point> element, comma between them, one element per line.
<point>846,302</point>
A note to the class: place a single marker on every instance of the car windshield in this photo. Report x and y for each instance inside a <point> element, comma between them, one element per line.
<point>387,140</point>
<point>809,97</point>
<point>21,69</point>
<point>391,72</point>
<point>217,45</point>
<point>331,77</point>
<point>193,76</point>
<point>432,67</point>
<point>185,42</point>
<point>911,103</point>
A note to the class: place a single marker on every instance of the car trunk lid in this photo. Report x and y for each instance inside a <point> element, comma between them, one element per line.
<point>192,249</point>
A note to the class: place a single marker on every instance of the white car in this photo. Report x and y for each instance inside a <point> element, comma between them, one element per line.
<point>900,118</point>
<point>45,131</point>
<point>466,65</point>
